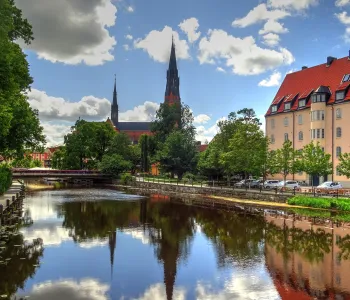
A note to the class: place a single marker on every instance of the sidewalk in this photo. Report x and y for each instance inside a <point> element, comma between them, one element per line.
<point>12,191</point>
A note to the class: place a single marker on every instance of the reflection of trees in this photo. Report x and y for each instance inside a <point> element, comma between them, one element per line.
<point>344,246</point>
<point>235,236</point>
<point>171,234</point>
<point>24,258</point>
<point>87,220</point>
<point>310,244</point>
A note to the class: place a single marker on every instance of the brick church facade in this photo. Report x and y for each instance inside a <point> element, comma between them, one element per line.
<point>172,96</point>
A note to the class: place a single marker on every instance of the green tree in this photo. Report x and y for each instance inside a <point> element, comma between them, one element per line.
<point>179,154</point>
<point>286,160</point>
<point>246,151</point>
<point>145,156</point>
<point>58,158</point>
<point>314,161</point>
<point>114,164</point>
<point>101,136</point>
<point>209,161</point>
<point>344,165</point>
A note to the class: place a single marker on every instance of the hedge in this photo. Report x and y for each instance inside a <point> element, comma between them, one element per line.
<point>5,179</point>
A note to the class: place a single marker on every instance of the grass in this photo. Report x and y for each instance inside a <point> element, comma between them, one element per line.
<point>324,203</point>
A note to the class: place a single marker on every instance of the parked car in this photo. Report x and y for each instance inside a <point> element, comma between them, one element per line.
<point>330,185</point>
<point>255,184</point>
<point>290,184</point>
<point>244,183</point>
<point>270,184</point>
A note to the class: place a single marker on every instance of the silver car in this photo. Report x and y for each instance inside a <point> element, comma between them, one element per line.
<point>271,184</point>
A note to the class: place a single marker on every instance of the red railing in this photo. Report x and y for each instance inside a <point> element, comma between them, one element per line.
<point>27,171</point>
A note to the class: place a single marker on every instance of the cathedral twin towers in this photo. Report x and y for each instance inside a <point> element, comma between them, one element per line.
<point>172,95</point>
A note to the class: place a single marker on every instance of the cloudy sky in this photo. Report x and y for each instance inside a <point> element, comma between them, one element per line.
<point>231,54</point>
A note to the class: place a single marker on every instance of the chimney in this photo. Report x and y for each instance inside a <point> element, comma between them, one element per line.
<point>330,59</point>
<point>304,67</point>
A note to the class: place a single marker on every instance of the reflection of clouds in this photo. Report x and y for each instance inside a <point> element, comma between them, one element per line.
<point>137,234</point>
<point>52,234</point>
<point>86,289</point>
<point>92,243</point>
<point>243,284</point>
<point>157,292</point>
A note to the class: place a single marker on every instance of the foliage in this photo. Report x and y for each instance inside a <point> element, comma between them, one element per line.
<point>314,161</point>
<point>209,161</point>
<point>148,148</point>
<point>285,160</point>
<point>344,165</point>
<point>325,203</point>
<point>178,154</point>
<point>5,178</point>
<point>114,164</point>
<point>19,124</point>
<point>58,158</point>
<point>26,162</point>
<point>126,178</point>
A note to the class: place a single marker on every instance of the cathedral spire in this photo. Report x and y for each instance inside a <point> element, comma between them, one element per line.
<point>112,241</point>
<point>172,60</point>
<point>114,107</point>
<point>172,90</point>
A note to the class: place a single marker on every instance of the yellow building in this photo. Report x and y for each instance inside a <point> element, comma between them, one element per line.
<point>313,105</point>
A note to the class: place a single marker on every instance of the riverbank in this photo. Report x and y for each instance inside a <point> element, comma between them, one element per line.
<point>12,198</point>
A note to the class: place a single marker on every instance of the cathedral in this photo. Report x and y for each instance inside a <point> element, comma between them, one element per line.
<point>172,95</point>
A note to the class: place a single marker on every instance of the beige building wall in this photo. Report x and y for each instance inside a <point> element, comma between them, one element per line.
<point>299,129</point>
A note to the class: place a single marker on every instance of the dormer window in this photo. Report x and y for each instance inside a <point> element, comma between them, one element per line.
<point>340,95</point>
<point>274,108</point>
<point>346,78</point>
<point>302,102</point>
<point>318,98</point>
<point>287,106</point>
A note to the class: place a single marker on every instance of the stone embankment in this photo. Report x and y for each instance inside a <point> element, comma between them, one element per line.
<point>12,199</point>
<point>173,189</point>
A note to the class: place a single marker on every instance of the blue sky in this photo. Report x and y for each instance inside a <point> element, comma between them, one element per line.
<point>231,54</point>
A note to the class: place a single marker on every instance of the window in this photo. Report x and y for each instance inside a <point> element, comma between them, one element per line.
<point>285,121</point>
<point>322,133</point>
<point>318,133</point>
<point>337,171</point>
<point>338,132</point>
<point>339,95</point>
<point>338,151</point>
<point>274,108</point>
<point>272,123</point>
<point>346,77</point>
<point>286,137</point>
<point>272,139</point>
<point>287,106</point>
<point>300,119</point>
<point>318,98</point>
<point>302,102</point>
<point>317,115</point>
<point>301,136</point>
<point>338,113</point>
<point>322,149</point>
<point>300,173</point>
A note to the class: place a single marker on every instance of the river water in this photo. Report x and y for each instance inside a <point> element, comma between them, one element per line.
<point>104,244</point>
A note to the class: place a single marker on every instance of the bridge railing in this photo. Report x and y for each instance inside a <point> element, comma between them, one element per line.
<point>27,171</point>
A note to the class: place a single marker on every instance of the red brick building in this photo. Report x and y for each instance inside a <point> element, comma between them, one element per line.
<point>172,95</point>
<point>44,157</point>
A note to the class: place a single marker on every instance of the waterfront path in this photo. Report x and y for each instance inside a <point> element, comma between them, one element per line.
<point>14,189</point>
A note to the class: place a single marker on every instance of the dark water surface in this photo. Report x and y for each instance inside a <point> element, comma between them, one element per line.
<point>103,244</point>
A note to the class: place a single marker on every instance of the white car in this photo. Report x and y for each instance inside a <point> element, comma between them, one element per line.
<point>290,184</point>
<point>330,185</point>
<point>270,184</point>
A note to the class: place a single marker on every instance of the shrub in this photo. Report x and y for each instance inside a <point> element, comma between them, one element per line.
<point>325,203</point>
<point>5,178</point>
<point>126,178</point>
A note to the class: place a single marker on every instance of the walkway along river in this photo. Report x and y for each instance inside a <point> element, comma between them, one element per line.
<point>105,244</point>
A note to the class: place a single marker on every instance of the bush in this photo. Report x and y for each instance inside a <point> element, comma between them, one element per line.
<point>126,178</point>
<point>5,178</point>
<point>325,203</point>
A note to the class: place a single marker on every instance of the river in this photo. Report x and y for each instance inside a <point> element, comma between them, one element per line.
<point>104,244</point>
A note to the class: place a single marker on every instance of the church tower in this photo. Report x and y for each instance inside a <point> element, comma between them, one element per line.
<point>114,108</point>
<point>172,90</point>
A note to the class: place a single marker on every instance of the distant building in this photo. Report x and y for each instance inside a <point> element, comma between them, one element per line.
<point>313,105</point>
<point>172,95</point>
<point>44,157</point>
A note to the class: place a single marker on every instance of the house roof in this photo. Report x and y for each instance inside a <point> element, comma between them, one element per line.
<point>134,126</point>
<point>302,83</point>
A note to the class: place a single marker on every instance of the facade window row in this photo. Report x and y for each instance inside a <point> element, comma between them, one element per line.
<point>318,98</point>
<point>317,133</point>
<point>317,115</point>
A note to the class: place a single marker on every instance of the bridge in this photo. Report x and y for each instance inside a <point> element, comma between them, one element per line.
<point>86,174</point>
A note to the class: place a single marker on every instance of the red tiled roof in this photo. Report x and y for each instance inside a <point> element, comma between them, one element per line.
<point>203,147</point>
<point>303,82</point>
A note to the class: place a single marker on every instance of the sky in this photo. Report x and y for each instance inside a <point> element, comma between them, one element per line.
<point>231,55</point>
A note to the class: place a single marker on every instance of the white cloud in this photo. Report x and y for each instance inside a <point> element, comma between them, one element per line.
<point>55,133</point>
<point>158,292</point>
<point>274,27</point>
<point>87,288</point>
<point>137,234</point>
<point>292,4</point>
<point>126,47</point>
<point>130,9</point>
<point>340,3</point>
<point>258,14</point>
<point>273,80</point>
<point>190,27</point>
<point>207,134</point>
<point>201,119</point>
<point>219,69</point>
<point>243,55</point>
<point>343,18</point>
<point>129,37</point>
<point>144,112</point>
<point>271,39</point>
<point>158,45</point>
<point>71,32</point>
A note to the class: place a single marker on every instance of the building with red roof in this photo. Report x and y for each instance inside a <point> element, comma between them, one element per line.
<point>312,105</point>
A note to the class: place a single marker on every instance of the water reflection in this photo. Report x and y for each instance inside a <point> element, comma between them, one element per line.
<point>103,244</point>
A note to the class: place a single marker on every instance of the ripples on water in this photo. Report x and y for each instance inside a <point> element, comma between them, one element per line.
<point>104,244</point>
